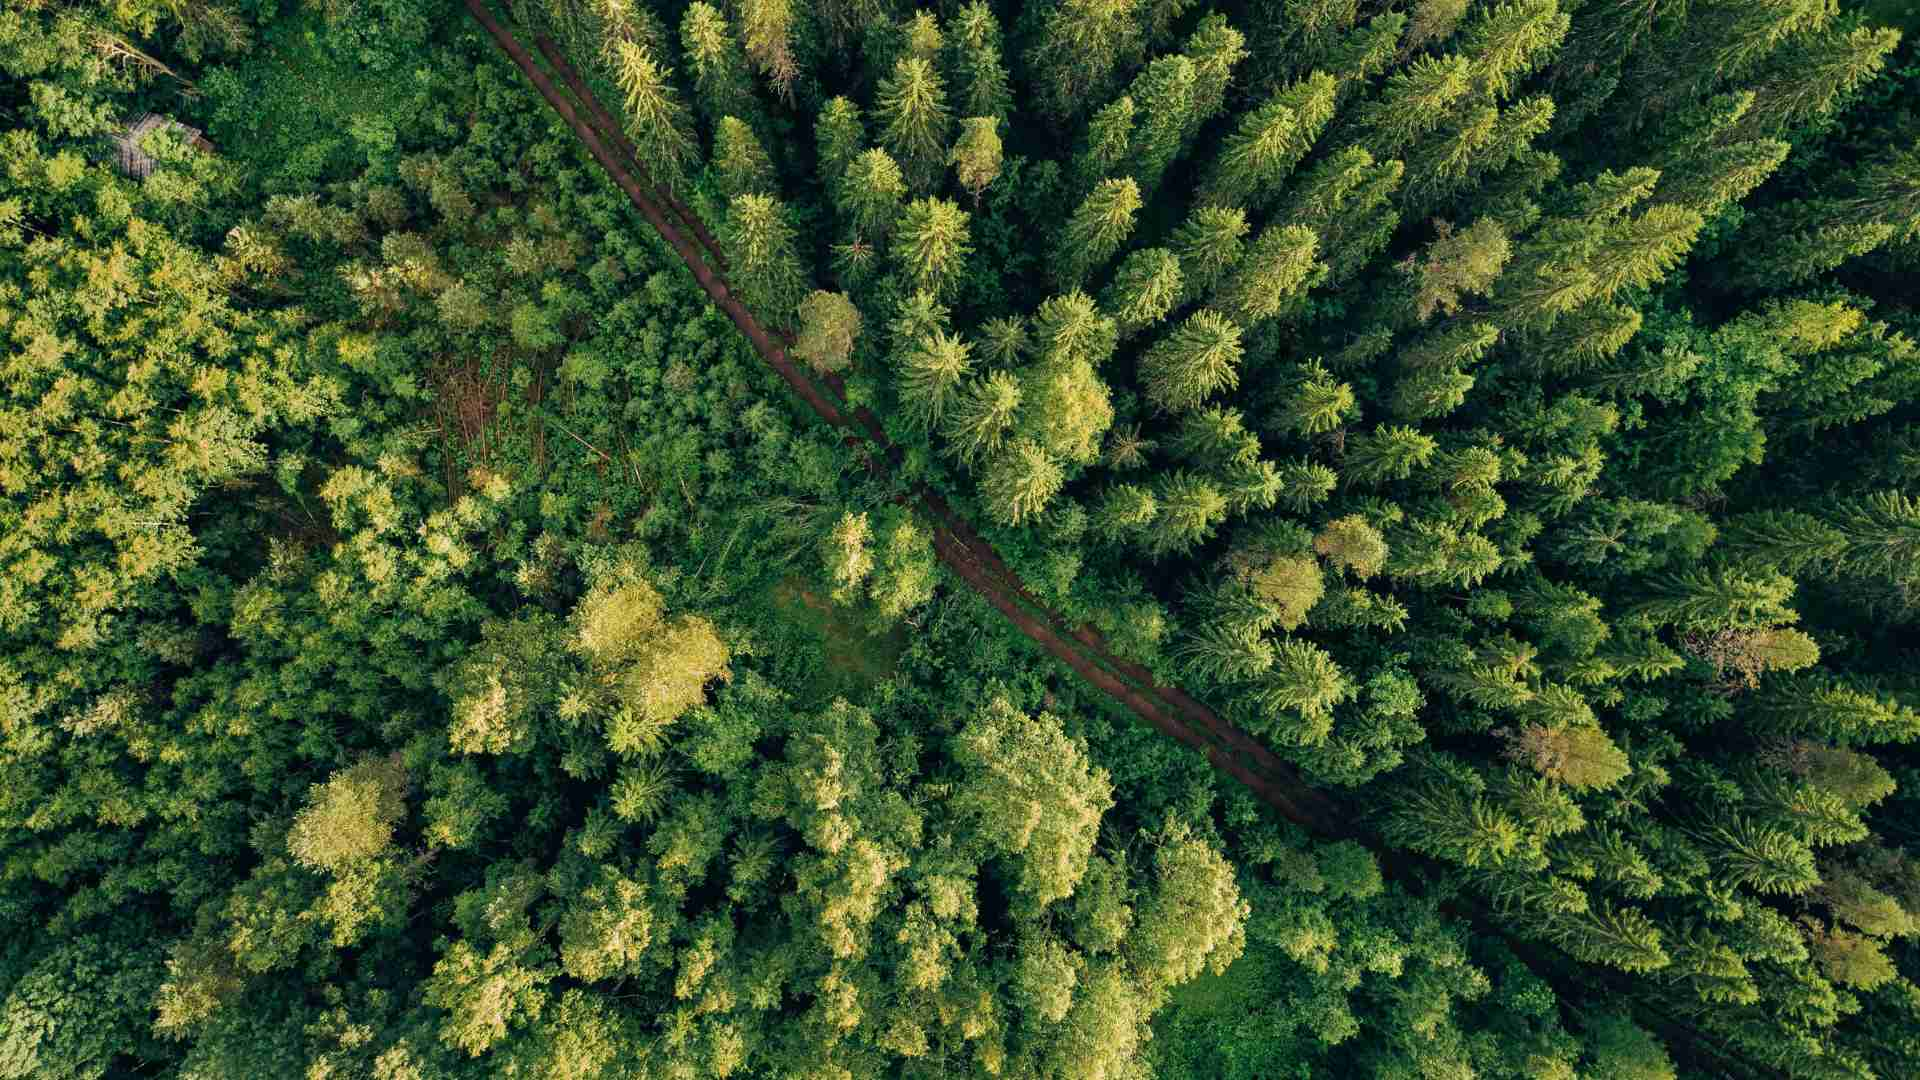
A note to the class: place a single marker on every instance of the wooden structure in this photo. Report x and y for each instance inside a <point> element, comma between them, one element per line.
<point>129,150</point>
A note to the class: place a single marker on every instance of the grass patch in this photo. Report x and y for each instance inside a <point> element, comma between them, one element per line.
<point>854,658</point>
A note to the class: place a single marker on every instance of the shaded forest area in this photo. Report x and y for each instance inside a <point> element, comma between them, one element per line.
<point>436,644</point>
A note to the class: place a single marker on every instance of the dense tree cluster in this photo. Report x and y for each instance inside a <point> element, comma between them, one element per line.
<point>431,646</point>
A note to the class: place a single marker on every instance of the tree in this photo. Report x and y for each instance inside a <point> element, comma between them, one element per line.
<point>1145,289</point>
<point>1192,361</point>
<point>838,134</point>
<point>1097,229</point>
<point>1209,244</point>
<point>829,325</point>
<point>911,105</point>
<point>656,119</point>
<point>763,261</point>
<point>931,245</point>
<point>1080,47</point>
<point>1277,265</point>
<point>1019,481</point>
<point>976,154</point>
<point>720,76</point>
<point>930,376</point>
<point>870,193</point>
<point>1190,509</point>
<point>1268,142</point>
<point>739,160</point>
<point>974,56</point>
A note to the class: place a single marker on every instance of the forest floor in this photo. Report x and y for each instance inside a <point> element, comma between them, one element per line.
<point>855,658</point>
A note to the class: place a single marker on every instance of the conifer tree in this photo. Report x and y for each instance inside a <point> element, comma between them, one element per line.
<point>982,415</point>
<point>1081,47</point>
<point>1216,50</point>
<point>1145,289</point>
<point>1097,229</point>
<point>763,261</point>
<point>1124,512</point>
<point>870,194</point>
<point>1108,140</point>
<point>740,162</point>
<point>1209,244</point>
<point>931,245</point>
<point>1268,142</point>
<point>1459,264</point>
<point>719,67</point>
<point>1386,453</point>
<point>838,136</point>
<point>1414,101</point>
<point>1192,361</point>
<point>911,105</point>
<point>767,34</point>
<point>930,376</point>
<point>1163,97</point>
<point>1505,42</point>
<point>1277,265</point>
<point>656,120</point>
<point>1019,482</point>
<point>1190,509</point>
<point>829,324</point>
<point>976,154</point>
<point>974,59</point>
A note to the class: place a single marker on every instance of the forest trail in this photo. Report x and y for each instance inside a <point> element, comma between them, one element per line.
<point>1167,709</point>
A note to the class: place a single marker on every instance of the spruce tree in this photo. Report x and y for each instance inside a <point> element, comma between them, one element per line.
<point>911,105</point>
<point>763,260</point>
<point>1019,482</point>
<point>721,81</point>
<point>870,194</point>
<point>980,86</point>
<point>1209,244</point>
<point>976,154</point>
<point>656,120</point>
<point>1192,361</point>
<point>1145,289</point>
<point>930,246</point>
<point>1097,229</point>
<point>1267,143</point>
<point>1277,265</point>
<point>930,376</point>
<point>838,137</point>
<point>982,416</point>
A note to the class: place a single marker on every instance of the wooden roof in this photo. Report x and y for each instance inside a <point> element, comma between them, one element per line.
<point>133,159</point>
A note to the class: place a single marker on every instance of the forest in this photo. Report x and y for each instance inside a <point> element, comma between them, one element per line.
<point>1067,540</point>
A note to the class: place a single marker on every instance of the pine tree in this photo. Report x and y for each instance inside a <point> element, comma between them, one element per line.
<point>976,154</point>
<point>1506,42</point>
<point>1384,454</point>
<point>1209,244</point>
<point>1192,361</point>
<point>982,416</point>
<point>720,77</point>
<point>838,135</point>
<point>1190,509</point>
<point>740,163</point>
<point>1097,229</point>
<point>763,262</point>
<point>1108,141</point>
<point>974,58</point>
<point>912,108</point>
<point>656,120</point>
<point>930,377</point>
<point>1145,289</point>
<point>1081,47</point>
<point>1414,101</point>
<point>931,245</point>
<point>1019,482</point>
<point>1267,143</point>
<point>870,194</point>
<point>1277,265</point>
<point>1163,97</point>
<point>1216,49</point>
<point>829,325</point>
